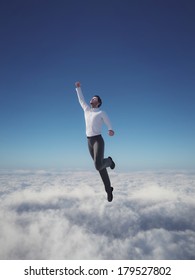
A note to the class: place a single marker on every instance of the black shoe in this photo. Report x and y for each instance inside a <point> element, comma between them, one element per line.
<point>112,166</point>
<point>110,195</point>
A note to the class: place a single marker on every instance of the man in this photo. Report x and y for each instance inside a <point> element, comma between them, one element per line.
<point>94,119</point>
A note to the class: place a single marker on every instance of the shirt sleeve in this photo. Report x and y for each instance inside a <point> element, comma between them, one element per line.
<point>107,121</point>
<point>81,99</point>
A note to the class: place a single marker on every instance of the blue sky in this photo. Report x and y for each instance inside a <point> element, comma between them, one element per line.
<point>137,55</point>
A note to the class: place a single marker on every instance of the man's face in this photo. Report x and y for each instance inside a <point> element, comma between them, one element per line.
<point>94,102</point>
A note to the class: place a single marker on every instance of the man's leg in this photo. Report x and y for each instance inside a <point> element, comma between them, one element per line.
<point>98,151</point>
<point>107,185</point>
<point>105,179</point>
<point>90,147</point>
<point>101,165</point>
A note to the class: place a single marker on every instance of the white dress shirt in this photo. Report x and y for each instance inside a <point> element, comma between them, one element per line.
<point>94,117</point>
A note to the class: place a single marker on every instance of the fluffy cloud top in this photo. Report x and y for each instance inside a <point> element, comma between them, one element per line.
<point>65,215</point>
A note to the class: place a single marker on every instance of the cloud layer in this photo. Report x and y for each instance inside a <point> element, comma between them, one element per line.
<point>65,215</point>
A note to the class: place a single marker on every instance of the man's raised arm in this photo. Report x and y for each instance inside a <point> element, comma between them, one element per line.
<point>80,96</point>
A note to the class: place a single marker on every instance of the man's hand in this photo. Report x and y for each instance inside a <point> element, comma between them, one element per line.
<point>77,84</point>
<point>110,132</point>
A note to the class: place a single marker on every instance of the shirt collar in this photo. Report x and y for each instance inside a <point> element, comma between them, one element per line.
<point>95,109</point>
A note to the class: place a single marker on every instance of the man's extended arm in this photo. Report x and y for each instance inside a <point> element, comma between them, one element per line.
<point>108,124</point>
<point>80,96</point>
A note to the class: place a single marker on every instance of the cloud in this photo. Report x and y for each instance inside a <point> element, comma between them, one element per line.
<point>65,215</point>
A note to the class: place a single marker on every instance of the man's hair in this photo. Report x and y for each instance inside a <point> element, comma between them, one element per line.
<point>99,100</point>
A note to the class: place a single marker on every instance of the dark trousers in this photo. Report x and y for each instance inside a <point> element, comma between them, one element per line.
<point>96,149</point>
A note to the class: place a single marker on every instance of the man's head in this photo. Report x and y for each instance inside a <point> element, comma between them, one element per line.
<point>96,101</point>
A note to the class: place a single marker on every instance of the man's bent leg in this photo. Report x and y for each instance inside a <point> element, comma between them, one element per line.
<point>99,160</point>
<point>96,149</point>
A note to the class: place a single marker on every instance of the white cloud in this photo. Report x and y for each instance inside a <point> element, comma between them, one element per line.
<point>65,215</point>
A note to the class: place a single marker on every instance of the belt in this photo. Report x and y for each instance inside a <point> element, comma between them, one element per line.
<point>91,137</point>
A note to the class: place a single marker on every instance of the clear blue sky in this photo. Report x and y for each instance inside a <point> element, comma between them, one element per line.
<point>139,56</point>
